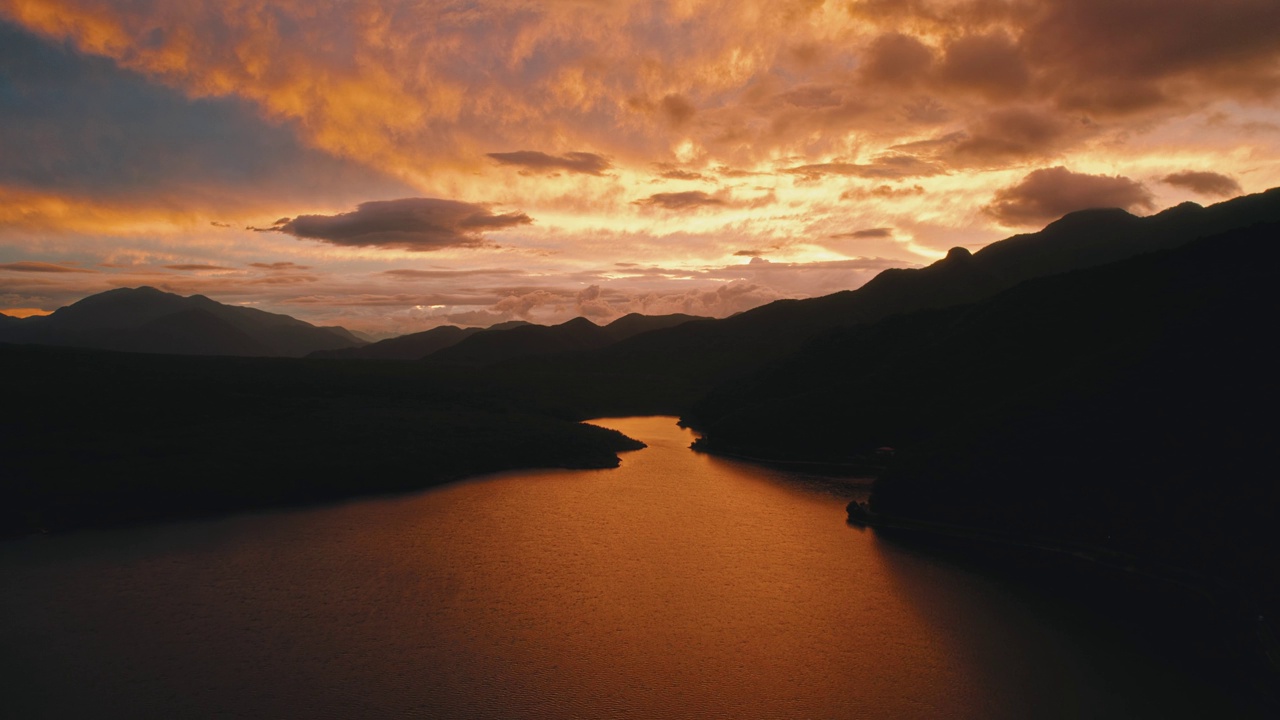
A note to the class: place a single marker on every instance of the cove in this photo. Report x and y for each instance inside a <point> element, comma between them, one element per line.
<point>677,585</point>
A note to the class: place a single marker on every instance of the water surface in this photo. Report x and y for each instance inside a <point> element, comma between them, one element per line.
<point>678,585</point>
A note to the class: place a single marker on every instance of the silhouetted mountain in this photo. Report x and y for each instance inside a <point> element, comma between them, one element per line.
<point>492,347</point>
<point>148,320</point>
<point>635,324</point>
<point>413,346</point>
<point>694,356</point>
<point>1129,407</point>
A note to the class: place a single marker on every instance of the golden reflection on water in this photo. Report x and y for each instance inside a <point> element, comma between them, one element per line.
<point>678,585</point>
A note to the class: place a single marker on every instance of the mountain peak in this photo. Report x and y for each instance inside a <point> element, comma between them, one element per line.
<point>146,319</point>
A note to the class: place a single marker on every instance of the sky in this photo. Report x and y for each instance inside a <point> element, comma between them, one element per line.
<point>395,165</point>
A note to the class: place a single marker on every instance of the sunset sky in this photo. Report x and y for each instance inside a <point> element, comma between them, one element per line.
<point>395,165</point>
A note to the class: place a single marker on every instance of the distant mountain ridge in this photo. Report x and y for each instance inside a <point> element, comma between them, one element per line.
<point>413,346</point>
<point>711,351</point>
<point>148,320</point>
<point>578,334</point>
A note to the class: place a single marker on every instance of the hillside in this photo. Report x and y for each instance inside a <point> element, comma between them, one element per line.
<point>1128,407</point>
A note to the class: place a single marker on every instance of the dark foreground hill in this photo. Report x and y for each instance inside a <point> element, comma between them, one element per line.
<point>1128,408</point>
<point>96,438</point>
<point>147,320</point>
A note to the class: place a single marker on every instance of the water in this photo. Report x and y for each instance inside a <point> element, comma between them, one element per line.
<point>678,585</point>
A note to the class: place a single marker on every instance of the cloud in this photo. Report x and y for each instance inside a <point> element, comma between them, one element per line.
<point>1204,183</point>
<point>40,267</point>
<point>284,280</point>
<point>688,200</point>
<point>417,224</point>
<point>677,109</point>
<point>1131,57</point>
<point>441,274</point>
<point>989,64</point>
<point>899,59</point>
<point>678,174</point>
<point>1050,193</point>
<point>1011,133</point>
<point>194,267</point>
<point>279,266</point>
<point>888,167</point>
<point>575,162</point>
<point>882,192</point>
<point>868,233</point>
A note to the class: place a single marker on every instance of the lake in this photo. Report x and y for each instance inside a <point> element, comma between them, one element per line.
<point>677,585</point>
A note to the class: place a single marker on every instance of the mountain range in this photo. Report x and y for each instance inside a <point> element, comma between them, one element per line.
<point>413,346</point>
<point>695,357</point>
<point>690,355</point>
<point>147,320</point>
<point>506,341</point>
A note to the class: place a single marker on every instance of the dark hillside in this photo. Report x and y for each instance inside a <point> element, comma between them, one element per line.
<point>1129,406</point>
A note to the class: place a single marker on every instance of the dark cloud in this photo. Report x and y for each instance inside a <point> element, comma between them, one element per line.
<point>279,266</point>
<point>888,167</point>
<point>882,192</point>
<point>1011,133</point>
<point>40,267</point>
<point>868,233</point>
<point>677,174</point>
<point>689,200</point>
<point>811,96</point>
<point>195,267</point>
<point>1204,183</point>
<point>584,163</point>
<point>392,300</point>
<point>441,274</point>
<point>677,109</point>
<point>418,224</point>
<point>215,223</point>
<point>725,171</point>
<point>284,280</point>
<point>1050,193</point>
<point>898,59</point>
<point>1112,56</point>
<point>989,64</point>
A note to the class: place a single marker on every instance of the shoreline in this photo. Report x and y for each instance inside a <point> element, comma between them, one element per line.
<point>1233,607</point>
